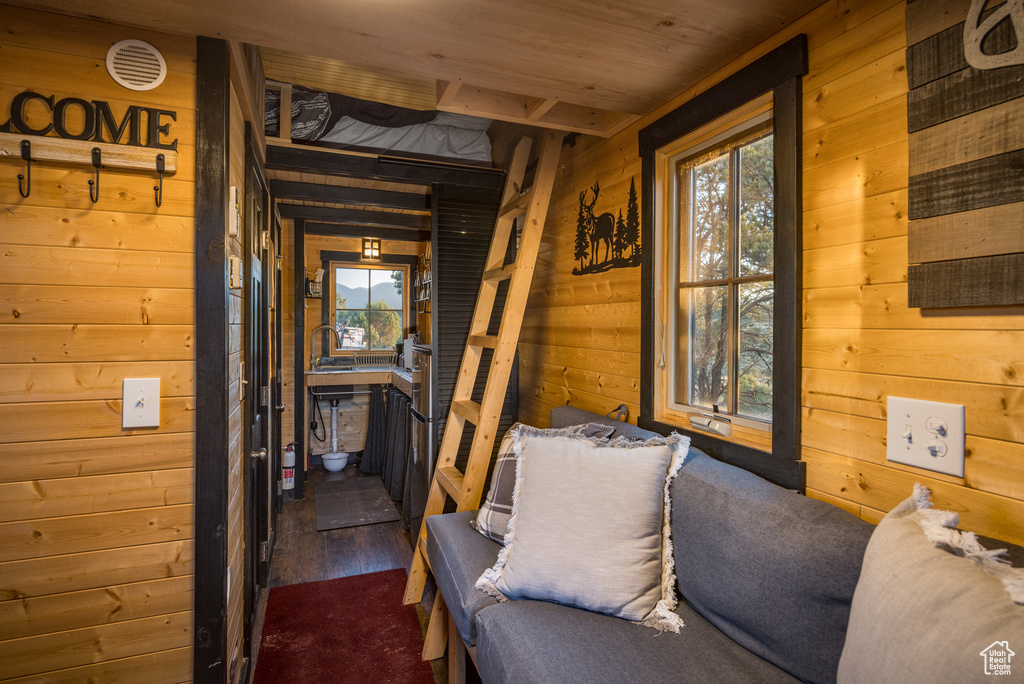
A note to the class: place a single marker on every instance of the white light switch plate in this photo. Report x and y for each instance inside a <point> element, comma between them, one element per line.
<point>926,434</point>
<point>141,405</point>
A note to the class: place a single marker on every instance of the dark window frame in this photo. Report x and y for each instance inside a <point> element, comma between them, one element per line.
<point>326,257</point>
<point>386,263</point>
<point>779,72</point>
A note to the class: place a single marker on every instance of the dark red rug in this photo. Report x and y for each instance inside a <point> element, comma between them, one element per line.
<point>353,630</point>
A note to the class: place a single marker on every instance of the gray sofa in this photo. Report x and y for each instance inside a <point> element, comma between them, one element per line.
<point>765,579</point>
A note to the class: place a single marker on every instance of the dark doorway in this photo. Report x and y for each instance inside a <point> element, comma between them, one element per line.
<point>257,500</point>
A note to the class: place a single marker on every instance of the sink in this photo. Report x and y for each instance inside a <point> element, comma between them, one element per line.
<point>332,369</point>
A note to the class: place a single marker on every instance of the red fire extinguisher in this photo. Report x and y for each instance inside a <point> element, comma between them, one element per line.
<point>288,467</point>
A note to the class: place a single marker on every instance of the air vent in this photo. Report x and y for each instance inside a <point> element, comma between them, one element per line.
<point>136,65</point>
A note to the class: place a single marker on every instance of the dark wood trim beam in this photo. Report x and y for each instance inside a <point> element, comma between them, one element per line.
<point>337,194</point>
<point>213,73</point>
<point>355,216</point>
<point>344,230</point>
<point>299,252</point>
<point>787,61</point>
<point>356,258</point>
<point>282,158</point>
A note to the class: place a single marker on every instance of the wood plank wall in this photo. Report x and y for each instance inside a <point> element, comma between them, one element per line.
<point>861,341</point>
<point>96,522</point>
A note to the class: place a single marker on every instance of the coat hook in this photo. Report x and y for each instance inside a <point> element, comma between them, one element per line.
<point>97,162</point>
<point>26,154</point>
<point>158,190</point>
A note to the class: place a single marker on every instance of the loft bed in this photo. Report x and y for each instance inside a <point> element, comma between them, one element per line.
<point>315,117</point>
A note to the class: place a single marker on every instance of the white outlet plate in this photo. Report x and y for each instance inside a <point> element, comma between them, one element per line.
<point>141,404</point>
<point>926,434</point>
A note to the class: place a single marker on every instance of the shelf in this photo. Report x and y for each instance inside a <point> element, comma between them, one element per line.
<point>66,151</point>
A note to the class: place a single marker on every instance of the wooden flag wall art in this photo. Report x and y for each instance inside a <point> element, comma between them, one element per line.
<point>965,110</point>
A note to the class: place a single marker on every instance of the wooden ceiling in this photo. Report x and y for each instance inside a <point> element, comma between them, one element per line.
<point>572,64</point>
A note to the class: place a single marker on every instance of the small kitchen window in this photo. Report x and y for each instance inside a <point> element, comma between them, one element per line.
<point>370,307</point>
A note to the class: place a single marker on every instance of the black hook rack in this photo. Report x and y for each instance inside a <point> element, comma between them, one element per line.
<point>26,154</point>
<point>97,161</point>
<point>158,190</point>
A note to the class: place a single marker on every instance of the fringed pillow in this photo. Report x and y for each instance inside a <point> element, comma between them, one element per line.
<point>590,526</point>
<point>921,613</point>
<point>492,518</point>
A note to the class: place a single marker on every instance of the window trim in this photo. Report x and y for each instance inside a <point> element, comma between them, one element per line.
<point>776,75</point>
<point>408,261</point>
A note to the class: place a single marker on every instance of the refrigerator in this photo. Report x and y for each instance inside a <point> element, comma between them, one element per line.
<point>421,450</point>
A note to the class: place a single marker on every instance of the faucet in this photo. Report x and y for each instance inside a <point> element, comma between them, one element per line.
<point>314,360</point>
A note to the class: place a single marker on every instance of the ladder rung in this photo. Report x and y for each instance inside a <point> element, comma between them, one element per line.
<point>503,273</point>
<point>422,546</point>
<point>451,479</point>
<point>517,205</point>
<point>470,410</point>
<point>488,341</point>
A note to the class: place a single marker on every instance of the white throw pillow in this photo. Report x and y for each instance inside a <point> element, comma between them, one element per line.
<point>923,614</point>
<point>590,526</point>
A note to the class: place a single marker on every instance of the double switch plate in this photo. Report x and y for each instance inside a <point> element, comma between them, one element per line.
<point>926,434</point>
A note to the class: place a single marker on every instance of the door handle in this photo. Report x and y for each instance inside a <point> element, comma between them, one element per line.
<point>281,407</point>
<point>260,455</point>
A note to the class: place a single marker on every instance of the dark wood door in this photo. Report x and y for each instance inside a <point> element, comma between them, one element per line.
<point>258,442</point>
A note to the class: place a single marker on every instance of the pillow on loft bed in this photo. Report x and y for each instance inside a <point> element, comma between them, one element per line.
<point>319,116</point>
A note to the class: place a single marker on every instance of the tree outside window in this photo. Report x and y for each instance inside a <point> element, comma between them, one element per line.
<point>725,304</point>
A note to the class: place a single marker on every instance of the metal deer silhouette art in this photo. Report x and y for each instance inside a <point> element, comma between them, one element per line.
<point>621,237</point>
<point>601,228</point>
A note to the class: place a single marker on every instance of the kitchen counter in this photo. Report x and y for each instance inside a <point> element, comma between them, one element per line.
<point>358,376</point>
<point>402,380</point>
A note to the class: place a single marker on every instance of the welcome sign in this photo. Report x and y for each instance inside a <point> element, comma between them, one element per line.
<point>92,120</point>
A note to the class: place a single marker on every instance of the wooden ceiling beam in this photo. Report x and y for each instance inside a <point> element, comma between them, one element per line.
<point>354,216</point>
<point>385,169</point>
<point>446,92</point>
<point>532,111</point>
<point>338,194</point>
<point>345,230</point>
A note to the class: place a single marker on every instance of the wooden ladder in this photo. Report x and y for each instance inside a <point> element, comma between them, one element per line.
<point>466,488</point>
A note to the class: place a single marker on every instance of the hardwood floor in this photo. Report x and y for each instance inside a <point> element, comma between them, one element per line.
<point>302,554</point>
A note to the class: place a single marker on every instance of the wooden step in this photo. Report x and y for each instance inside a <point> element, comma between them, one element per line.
<point>503,273</point>
<point>468,409</point>
<point>516,206</point>
<point>451,478</point>
<point>486,341</point>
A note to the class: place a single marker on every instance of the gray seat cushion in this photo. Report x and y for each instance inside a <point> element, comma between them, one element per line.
<point>772,569</point>
<point>564,416</point>
<point>529,642</point>
<point>458,556</point>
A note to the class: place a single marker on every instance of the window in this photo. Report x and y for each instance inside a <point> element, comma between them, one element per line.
<point>721,260</point>
<point>721,225</point>
<point>370,305</point>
